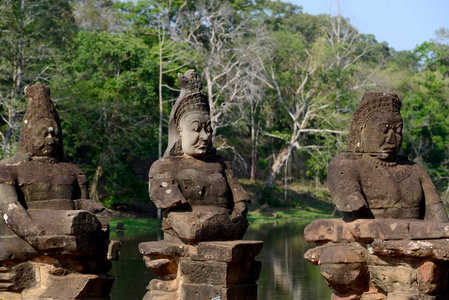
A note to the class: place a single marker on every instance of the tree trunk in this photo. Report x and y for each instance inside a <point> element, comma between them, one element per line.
<point>277,166</point>
<point>253,153</point>
<point>17,81</point>
<point>160,102</point>
<point>94,194</point>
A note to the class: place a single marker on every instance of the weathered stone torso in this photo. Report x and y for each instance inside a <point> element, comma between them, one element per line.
<point>390,190</point>
<point>201,181</point>
<point>48,181</point>
<point>44,185</point>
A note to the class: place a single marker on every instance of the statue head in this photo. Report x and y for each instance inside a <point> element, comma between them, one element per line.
<point>190,130</point>
<point>41,128</point>
<point>376,126</point>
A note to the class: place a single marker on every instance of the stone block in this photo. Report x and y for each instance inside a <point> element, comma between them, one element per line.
<point>374,296</point>
<point>341,254</point>
<point>343,297</point>
<point>76,286</point>
<point>430,277</point>
<point>54,242</point>
<point>163,285</point>
<point>431,249</point>
<point>226,251</point>
<point>325,230</point>
<point>202,291</point>
<point>9,252</point>
<point>161,249</point>
<point>219,273</point>
<point>57,204</point>
<point>199,272</point>
<point>409,296</point>
<point>344,269</point>
<point>66,222</point>
<point>420,230</point>
<point>162,267</point>
<point>364,229</point>
<point>313,255</point>
<point>394,278</point>
<point>393,229</point>
<point>345,278</point>
<point>161,296</point>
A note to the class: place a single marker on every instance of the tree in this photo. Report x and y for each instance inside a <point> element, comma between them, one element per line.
<point>107,102</point>
<point>33,35</point>
<point>223,46</point>
<point>425,110</point>
<point>311,83</point>
<point>99,15</point>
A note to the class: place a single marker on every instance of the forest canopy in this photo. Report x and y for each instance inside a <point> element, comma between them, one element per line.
<point>282,85</point>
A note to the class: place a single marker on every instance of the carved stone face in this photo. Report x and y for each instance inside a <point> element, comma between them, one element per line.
<point>382,135</point>
<point>196,134</point>
<point>44,138</point>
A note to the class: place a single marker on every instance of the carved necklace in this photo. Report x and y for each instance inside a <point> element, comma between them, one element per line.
<point>380,162</point>
<point>393,170</point>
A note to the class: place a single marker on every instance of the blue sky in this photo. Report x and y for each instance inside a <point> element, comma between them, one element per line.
<point>403,24</point>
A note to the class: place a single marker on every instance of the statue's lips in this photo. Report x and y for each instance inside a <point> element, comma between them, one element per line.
<point>389,149</point>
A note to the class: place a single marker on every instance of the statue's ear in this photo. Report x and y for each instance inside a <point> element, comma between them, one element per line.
<point>362,127</point>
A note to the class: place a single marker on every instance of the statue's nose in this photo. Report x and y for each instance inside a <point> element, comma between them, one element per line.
<point>391,137</point>
<point>203,134</point>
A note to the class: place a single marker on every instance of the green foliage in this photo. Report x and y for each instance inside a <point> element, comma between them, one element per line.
<point>106,84</point>
<point>33,36</point>
<point>110,104</point>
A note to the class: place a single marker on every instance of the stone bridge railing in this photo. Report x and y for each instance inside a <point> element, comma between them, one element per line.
<point>381,259</point>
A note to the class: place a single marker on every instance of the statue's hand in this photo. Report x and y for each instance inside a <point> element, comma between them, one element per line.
<point>240,210</point>
<point>34,229</point>
<point>88,204</point>
<point>354,202</point>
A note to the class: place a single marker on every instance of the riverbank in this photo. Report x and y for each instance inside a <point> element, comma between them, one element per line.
<point>299,203</point>
<point>255,218</point>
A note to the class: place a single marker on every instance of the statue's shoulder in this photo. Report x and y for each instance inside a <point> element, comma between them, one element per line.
<point>345,159</point>
<point>8,167</point>
<point>15,160</point>
<point>164,164</point>
<point>414,166</point>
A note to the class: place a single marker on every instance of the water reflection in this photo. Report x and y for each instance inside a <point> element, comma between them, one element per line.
<point>285,274</point>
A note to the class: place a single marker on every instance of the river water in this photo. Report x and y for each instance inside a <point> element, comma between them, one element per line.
<point>285,274</point>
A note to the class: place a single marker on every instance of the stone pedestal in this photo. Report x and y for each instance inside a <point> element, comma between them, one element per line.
<point>69,262</point>
<point>381,259</point>
<point>208,270</point>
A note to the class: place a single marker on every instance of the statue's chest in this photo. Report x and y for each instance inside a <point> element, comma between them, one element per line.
<point>394,186</point>
<point>47,181</point>
<point>203,184</point>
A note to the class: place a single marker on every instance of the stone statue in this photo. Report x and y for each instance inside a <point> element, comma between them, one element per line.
<point>47,215</point>
<point>371,180</point>
<point>205,212</point>
<point>384,248</point>
<point>197,187</point>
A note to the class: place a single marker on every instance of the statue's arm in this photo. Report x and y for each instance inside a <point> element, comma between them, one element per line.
<point>435,210</point>
<point>344,185</point>
<point>165,192</point>
<point>240,197</point>
<point>84,203</point>
<point>15,215</point>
